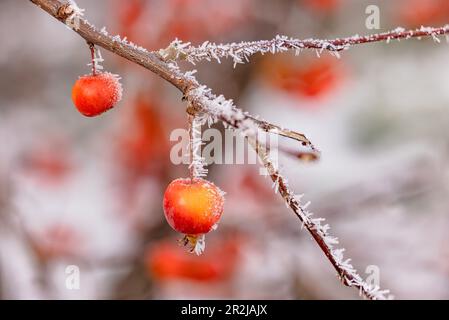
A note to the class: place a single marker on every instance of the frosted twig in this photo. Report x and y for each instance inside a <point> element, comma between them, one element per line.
<point>96,59</point>
<point>242,51</point>
<point>347,273</point>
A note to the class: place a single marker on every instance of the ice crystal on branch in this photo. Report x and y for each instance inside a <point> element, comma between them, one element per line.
<point>174,51</point>
<point>219,108</point>
<point>197,162</point>
<point>195,243</point>
<point>97,59</point>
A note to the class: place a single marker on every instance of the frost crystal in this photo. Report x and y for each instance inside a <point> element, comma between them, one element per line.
<point>220,108</point>
<point>174,51</point>
<point>97,60</point>
<point>75,14</point>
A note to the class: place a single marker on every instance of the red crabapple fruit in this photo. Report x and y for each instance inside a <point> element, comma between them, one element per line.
<point>95,94</point>
<point>193,206</point>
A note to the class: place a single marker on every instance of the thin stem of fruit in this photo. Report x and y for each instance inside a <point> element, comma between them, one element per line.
<point>191,155</point>
<point>197,162</point>
<point>92,55</point>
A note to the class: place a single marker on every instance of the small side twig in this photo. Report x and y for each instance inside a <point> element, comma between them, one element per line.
<point>197,162</point>
<point>319,232</point>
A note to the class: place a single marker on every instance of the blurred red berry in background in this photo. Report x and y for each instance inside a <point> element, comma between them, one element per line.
<point>417,13</point>
<point>58,241</point>
<point>168,261</point>
<point>128,13</point>
<point>142,142</point>
<point>48,162</point>
<point>199,25</point>
<point>314,78</point>
<point>322,5</point>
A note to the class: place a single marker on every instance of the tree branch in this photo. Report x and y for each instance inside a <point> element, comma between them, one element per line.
<point>152,61</point>
<point>202,100</point>
<point>319,232</point>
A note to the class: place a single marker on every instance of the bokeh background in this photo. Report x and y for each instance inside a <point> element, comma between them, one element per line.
<point>88,192</point>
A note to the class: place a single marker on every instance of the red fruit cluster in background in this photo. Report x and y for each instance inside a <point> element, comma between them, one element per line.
<point>322,5</point>
<point>189,20</point>
<point>417,13</point>
<point>48,162</point>
<point>189,24</point>
<point>58,241</point>
<point>256,186</point>
<point>128,14</point>
<point>168,261</point>
<point>142,142</point>
<point>312,79</point>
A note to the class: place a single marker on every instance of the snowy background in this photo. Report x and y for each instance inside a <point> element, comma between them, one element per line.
<point>88,191</point>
